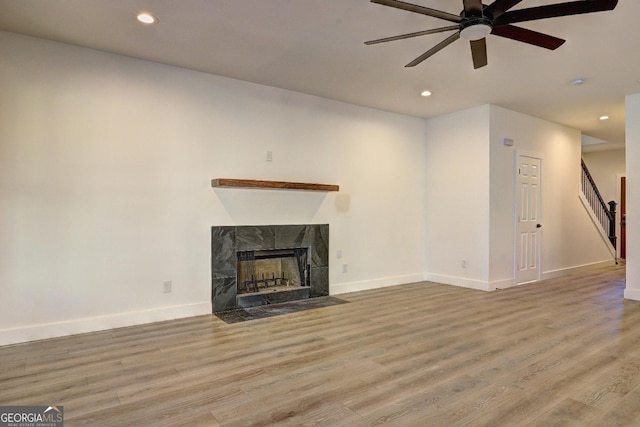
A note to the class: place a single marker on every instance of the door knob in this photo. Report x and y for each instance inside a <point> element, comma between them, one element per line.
<point>538,225</point>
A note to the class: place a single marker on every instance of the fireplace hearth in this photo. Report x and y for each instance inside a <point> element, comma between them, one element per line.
<point>260,265</point>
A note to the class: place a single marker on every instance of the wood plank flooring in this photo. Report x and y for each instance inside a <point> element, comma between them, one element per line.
<point>558,352</point>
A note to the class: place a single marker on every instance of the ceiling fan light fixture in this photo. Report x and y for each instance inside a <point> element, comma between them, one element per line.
<point>147,18</point>
<point>603,118</point>
<point>425,93</point>
<point>476,32</point>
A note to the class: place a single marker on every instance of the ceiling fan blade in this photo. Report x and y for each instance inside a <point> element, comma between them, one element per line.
<point>528,36</point>
<point>419,9</point>
<point>499,7</point>
<point>472,7</point>
<point>555,10</point>
<point>479,53</point>
<point>437,48</point>
<point>410,35</point>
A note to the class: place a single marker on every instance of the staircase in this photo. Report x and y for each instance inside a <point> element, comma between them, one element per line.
<point>603,214</point>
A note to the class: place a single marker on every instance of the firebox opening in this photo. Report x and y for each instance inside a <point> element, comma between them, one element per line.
<point>266,271</point>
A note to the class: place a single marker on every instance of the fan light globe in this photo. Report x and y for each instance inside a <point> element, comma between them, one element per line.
<point>475,32</point>
<point>147,18</point>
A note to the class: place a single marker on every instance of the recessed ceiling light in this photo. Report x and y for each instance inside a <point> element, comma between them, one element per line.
<point>577,82</point>
<point>425,93</point>
<point>604,117</point>
<point>147,18</point>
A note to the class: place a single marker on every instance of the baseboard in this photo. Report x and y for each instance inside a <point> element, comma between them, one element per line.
<point>632,294</point>
<point>552,274</point>
<point>462,282</point>
<point>99,323</point>
<point>503,284</point>
<point>342,288</point>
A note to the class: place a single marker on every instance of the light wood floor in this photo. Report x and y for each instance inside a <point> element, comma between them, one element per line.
<point>559,352</point>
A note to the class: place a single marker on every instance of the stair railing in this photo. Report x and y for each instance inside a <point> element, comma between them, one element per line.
<point>606,215</point>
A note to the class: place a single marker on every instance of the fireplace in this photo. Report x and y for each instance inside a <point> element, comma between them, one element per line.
<point>272,270</point>
<point>259,265</point>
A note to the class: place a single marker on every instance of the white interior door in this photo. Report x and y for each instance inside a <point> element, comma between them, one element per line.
<point>528,249</point>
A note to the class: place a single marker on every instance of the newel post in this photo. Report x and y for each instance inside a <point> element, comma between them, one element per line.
<point>612,222</point>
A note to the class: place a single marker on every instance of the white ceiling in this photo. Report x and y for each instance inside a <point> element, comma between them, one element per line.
<point>317,47</point>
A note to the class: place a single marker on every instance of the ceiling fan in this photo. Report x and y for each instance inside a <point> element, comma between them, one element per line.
<point>476,21</point>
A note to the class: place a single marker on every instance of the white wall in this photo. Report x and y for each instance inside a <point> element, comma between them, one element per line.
<point>471,198</point>
<point>457,178</point>
<point>105,169</point>
<point>632,290</point>
<point>569,239</point>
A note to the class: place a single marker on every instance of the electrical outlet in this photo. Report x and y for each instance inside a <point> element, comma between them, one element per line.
<point>339,253</point>
<point>463,263</point>
<point>167,287</point>
<point>269,157</point>
<point>345,268</point>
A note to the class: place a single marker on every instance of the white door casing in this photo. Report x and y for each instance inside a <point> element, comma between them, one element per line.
<point>528,221</point>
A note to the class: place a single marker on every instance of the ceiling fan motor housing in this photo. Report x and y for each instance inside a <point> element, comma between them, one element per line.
<point>475,28</point>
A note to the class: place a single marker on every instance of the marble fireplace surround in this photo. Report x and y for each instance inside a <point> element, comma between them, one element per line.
<point>227,241</point>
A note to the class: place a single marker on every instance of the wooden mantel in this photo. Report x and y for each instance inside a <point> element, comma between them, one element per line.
<point>282,185</point>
